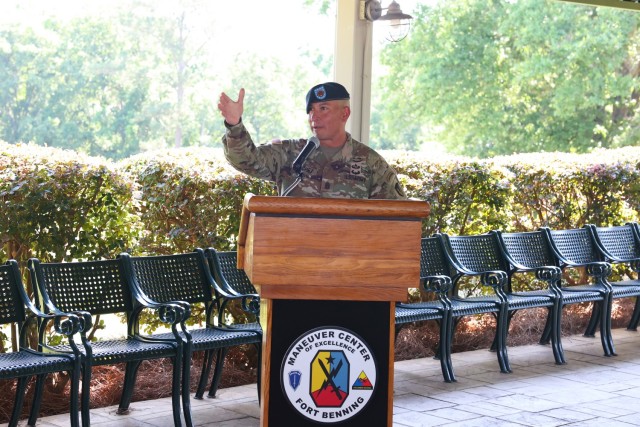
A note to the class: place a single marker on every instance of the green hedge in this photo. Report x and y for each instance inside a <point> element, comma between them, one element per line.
<point>189,198</point>
<point>59,205</point>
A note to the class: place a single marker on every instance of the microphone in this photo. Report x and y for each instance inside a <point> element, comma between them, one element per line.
<point>312,144</point>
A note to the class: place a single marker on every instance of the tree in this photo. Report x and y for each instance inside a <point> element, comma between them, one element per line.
<point>499,77</point>
<point>143,76</point>
<point>271,90</point>
<point>77,87</point>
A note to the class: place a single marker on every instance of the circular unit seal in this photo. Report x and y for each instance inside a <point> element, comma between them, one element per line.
<point>328,374</point>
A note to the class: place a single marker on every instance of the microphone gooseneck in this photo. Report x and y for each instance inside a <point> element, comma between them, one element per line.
<point>296,166</point>
<point>312,144</point>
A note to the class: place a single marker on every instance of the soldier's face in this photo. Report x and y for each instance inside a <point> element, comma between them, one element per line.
<point>327,119</point>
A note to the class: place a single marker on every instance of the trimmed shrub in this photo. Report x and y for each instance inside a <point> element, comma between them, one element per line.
<point>58,205</point>
<point>189,198</point>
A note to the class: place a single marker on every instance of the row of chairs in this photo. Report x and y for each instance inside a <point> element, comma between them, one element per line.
<point>497,257</point>
<point>71,294</point>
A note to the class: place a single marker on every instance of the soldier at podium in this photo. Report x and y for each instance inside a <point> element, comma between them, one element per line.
<point>329,164</point>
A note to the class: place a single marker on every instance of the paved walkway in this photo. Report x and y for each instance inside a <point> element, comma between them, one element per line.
<point>590,390</point>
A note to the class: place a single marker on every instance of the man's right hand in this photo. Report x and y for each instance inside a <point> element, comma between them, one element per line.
<point>231,110</point>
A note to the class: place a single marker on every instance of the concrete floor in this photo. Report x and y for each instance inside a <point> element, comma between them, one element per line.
<point>590,390</point>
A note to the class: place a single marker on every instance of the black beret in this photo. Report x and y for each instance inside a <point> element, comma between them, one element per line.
<point>329,91</point>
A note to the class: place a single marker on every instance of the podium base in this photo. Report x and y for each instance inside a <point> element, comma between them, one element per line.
<point>328,362</point>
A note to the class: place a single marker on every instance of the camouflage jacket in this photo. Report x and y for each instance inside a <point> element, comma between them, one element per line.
<point>356,171</point>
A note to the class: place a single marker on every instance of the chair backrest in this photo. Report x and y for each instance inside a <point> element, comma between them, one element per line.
<point>224,267</point>
<point>527,250</point>
<point>180,277</point>
<point>475,254</point>
<point>574,246</point>
<point>433,258</point>
<point>98,287</point>
<point>618,243</point>
<point>11,294</point>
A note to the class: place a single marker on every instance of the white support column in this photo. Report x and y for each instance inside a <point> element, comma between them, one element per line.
<point>352,64</point>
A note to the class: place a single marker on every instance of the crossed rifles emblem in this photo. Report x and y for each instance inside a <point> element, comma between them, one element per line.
<point>329,376</point>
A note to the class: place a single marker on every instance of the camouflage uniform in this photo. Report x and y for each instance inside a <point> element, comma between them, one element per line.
<point>355,171</point>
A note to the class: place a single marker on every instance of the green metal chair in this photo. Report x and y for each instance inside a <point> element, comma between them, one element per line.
<point>481,255</point>
<point>103,287</point>
<point>621,245</point>
<point>186,277</point>
<point>434,279</point>
<point>576,249</point>
<point>27,362</point>
<point>232,284</point>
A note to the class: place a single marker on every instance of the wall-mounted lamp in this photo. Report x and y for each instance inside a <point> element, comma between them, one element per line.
<point>399,23</point>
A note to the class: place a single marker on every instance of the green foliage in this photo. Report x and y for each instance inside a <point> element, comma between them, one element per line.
<point>61,206</point>
<point>523,192</point>
<point>565,191</point>
<point>497,77</point>
<point>466,196</point>
<point>141,77</point>
<point>189,198</point>
<point>75,86</point>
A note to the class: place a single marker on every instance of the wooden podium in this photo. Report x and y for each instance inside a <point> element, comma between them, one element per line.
<point>329,272</point>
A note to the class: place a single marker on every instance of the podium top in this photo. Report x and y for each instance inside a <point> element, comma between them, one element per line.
<point>310,206</point>
<point>341,207</point>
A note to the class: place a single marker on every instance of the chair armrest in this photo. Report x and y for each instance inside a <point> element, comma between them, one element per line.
<point>249,303</point>
<point>65,324</point>
<point>549,274</point>
<point>600,270</point>
<point>172,313</point>
<point>438,284</point>
<point>496,279</point>
<point>597,269</point>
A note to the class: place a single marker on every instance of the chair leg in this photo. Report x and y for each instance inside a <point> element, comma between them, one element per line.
<point>605,326</point>
<point>444,348</point>
<point>37,400</point>
<point>86,393</point>
<point>130,372</point>
<point>21,386</point>
<point>453,322</point>
<point>510,315</point>
<point>207,361</point>
<point>608,314</point>
<point>501,333</point>
<point>635,317</point>
<point>259,349</point>
<point>74,394</point>
<point>176,388</point>
<point>217,372</point>
<point>186,384</point>
<point>555,318</point>
<point>596,312</point>
<point>547,332</point>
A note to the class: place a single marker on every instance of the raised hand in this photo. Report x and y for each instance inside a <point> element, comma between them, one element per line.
<point>231,110</point>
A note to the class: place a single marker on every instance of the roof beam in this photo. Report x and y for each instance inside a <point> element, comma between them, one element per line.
<point>618,4</point>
